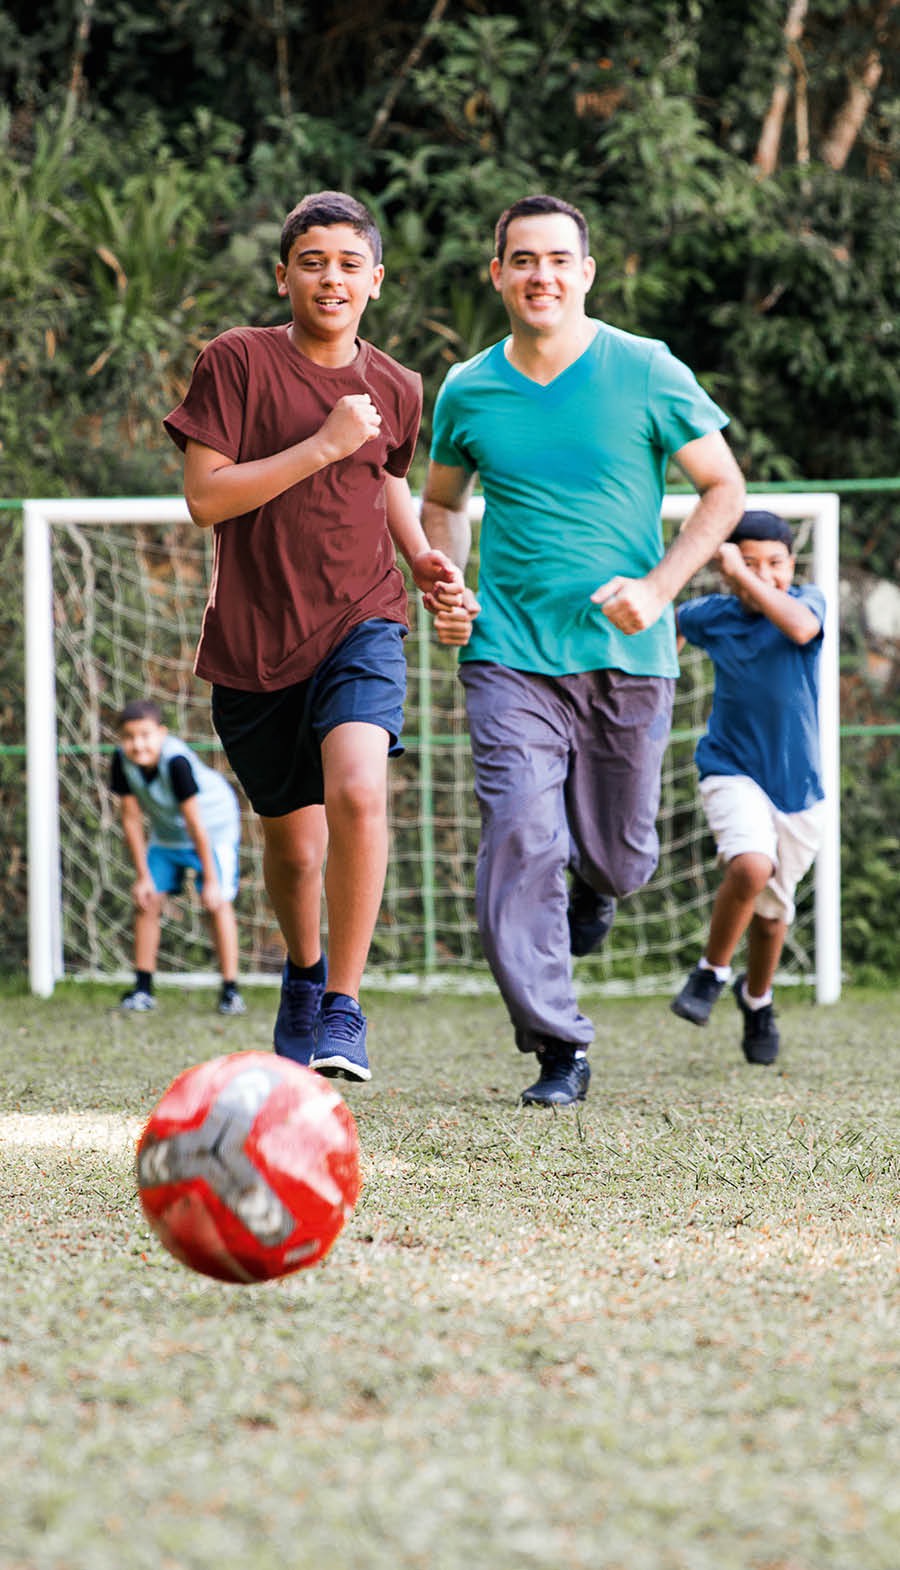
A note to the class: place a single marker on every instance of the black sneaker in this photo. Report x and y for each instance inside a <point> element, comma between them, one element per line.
<point>590,917</point>
<point>697,996</point>
<point>563,1080</point>
<point>761,1040</point>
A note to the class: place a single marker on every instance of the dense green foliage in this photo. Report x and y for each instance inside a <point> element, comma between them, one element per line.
<point>149,150</point>
<point>148,158</point>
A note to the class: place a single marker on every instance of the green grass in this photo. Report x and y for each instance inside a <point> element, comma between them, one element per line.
<point>658,1334</point>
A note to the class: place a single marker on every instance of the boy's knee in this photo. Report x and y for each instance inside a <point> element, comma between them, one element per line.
<point>749,873</point>
<point>361,795</point>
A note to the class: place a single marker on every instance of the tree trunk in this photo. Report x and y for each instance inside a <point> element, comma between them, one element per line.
<point>766,156</point>
<point>848,122</point>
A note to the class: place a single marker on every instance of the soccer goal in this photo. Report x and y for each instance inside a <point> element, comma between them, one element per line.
<point>114,594</point>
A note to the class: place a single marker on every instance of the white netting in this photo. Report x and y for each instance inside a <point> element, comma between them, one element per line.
<point>128,600</point>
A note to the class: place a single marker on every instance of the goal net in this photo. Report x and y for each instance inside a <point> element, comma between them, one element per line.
<point>114,596</point>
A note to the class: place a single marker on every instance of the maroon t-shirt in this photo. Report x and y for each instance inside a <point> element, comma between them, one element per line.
<point>292,578</point>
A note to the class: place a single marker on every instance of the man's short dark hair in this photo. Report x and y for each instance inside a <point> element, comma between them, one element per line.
<point>762,526</point>
<point>323,209</point>
<point>536,207</point>
<point>139,709</point>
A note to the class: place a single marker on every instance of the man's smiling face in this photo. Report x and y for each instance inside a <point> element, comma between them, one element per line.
<point>544,276</point>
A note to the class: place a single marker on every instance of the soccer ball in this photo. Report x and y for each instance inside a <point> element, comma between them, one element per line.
<point>248,1167</point>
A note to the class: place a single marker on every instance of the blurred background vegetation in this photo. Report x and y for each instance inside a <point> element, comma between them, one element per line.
<point>737,163</point>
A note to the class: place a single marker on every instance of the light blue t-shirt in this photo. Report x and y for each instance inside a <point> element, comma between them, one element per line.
<point>219,808</point>
<point>573,476</point>
<point>764,719</point>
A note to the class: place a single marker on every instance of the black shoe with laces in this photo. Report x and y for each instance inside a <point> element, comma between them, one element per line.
<point>590,917</point>
<point>761,1040</point>
<point>697,996</point>
<point>563,1079</point>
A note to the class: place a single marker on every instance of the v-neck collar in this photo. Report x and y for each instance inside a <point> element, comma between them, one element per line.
<point>575,371</point>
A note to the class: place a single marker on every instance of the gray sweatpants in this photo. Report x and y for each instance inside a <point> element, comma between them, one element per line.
<point>567,774</point>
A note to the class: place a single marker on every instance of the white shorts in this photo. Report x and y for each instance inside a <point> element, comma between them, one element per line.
<point>743,820</point>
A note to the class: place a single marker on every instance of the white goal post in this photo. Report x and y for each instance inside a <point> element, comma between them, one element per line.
<point>441,875</point>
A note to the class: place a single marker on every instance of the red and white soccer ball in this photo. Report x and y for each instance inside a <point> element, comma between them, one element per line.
<point>248,1167</point>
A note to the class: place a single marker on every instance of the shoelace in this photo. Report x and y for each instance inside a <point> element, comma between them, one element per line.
<point>344,1024</point>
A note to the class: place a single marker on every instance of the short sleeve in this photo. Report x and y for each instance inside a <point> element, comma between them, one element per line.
<point>181,779</point>
<point>400,457</point>
<point>446,447</point>
<point>212,410</point>
<point>691,619</point>
<point>680,410</point>
<point>813,598</point>
<point>118,783</point>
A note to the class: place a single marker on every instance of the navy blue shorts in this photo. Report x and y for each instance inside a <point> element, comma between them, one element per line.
<point>273,740</point>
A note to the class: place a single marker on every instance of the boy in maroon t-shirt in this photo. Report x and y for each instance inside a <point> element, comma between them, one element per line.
<point>297,440</point>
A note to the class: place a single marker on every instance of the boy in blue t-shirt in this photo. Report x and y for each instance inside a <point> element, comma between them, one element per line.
<point>193,824</point>
<point>760,779</point>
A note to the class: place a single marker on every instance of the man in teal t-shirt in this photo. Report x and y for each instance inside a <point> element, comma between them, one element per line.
<point>568,653</point>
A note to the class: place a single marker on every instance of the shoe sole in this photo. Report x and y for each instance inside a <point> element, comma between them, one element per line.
<point>760,1060</point>
<point>678,1008</point>
<point>541,1101</point>
<point>337,1067</point>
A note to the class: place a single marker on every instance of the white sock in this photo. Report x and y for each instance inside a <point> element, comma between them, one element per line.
<point>722,972</point>
<point>755,1003</point>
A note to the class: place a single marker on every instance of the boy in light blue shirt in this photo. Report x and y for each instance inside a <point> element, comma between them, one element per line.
<point>193,824</point>
<point>760,776</point>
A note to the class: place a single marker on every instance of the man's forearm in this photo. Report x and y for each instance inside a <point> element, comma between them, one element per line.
<point>448,530</point>
<point>704,530</point>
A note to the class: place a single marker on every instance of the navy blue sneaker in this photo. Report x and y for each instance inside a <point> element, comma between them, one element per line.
<point>590,917</point>
<point>339,1049</point>
<point>761,1040</point>
<point>697,996</point>
<point>564,1077</point>
<point>298,1011</point>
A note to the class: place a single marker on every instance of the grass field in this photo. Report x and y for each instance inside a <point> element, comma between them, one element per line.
<point>658,1334</point>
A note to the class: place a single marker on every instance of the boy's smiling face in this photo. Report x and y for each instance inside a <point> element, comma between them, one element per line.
<point>768,560</point>
<point>329,277</point>
<point>141,741</point>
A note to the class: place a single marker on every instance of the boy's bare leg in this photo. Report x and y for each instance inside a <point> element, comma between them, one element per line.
<point>225,936</point>
<point>293,853</point>
<point>745,877</point>
<point>765,941</point>
<point>146,935</point>
<point>354,759</point>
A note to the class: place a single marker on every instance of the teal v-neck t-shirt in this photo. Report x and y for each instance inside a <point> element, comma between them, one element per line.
<point>573,475</point>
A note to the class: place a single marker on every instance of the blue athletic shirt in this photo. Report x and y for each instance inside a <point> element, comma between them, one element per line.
<point>219,809</point>
<point>573,476</point>
<point>764,720</point>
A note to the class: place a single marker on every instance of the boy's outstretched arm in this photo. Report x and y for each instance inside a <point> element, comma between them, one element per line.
<point>142,890</point>
<point>434,573</point>
<point>445,518</point>
<point>217,489</point>
<point>211,897</point>
<point>796,620</point>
